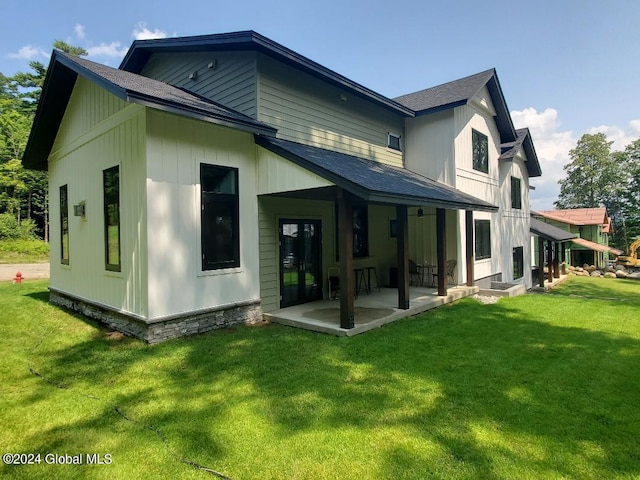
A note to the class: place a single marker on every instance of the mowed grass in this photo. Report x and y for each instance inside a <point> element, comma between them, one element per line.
<point>539,386</point>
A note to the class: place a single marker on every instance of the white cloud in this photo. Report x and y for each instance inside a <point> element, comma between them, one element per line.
<point>619,136</point>
<point>29,52</point>
<point>552,147</point>
<point>113,49</point>
<point>80,31</point>
<point>141,32</point>
<point>553,144</point>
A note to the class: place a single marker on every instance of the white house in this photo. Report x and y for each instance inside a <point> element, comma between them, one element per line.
<point>211,179</point>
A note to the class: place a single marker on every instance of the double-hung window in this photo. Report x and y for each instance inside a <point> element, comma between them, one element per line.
<point>480,151</point>
<point>111,195</point>
<point>220,226</point>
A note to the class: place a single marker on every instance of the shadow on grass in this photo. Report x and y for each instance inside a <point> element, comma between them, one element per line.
<point>483,386</point>
<point>42,296</point>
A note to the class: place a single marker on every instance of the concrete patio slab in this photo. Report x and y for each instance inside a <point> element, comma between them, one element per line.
<point>371,311</point>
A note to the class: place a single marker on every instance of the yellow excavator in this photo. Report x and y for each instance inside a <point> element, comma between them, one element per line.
<point>631,260</point>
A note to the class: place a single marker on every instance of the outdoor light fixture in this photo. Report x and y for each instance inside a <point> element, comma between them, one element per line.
<point>79,209</point>
<point>420,212</point>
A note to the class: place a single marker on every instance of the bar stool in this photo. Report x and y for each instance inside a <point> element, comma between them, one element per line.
<point>375,275</point>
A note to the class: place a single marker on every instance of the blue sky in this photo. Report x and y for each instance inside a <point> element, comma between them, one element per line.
<point>566,67</point>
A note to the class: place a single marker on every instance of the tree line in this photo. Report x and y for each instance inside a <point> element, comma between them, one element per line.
<point>598,177</point>
<point>24,211</point>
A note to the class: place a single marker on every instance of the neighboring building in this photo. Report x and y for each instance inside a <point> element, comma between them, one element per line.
<point>592,226</point>
<point>210,179</point>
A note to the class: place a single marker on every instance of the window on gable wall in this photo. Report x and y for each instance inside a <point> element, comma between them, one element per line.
<point>516,193</point>
<point>219,217</point>
<point>480,151</point>
<point>483,239</point>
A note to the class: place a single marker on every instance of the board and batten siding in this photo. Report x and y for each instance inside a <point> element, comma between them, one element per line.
<point>176,147</point>
<point>515,224</point>
<point>99,131</point>
<point>307,110</point>
<point>477,116</point>
<point>231,79</point>
<point>429,146</point>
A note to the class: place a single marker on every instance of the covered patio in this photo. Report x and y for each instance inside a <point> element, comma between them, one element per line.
<point>370,311</point>
<point>338,183</point>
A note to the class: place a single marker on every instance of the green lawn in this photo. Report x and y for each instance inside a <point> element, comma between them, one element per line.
<point>539,386</point>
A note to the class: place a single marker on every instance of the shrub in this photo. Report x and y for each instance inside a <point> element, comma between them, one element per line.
<point>11,230</point>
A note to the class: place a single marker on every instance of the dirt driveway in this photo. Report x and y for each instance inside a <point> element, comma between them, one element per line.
<point>29,271</point>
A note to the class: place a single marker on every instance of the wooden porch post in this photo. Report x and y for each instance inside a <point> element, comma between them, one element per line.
<point>402,217</point>
<point>345,249</point>
<point>556,263</point>
<point>470,247</point>
<point>541,262</point>
<point>442,250</point>
<point>563,258</point>
<point>549,261</point>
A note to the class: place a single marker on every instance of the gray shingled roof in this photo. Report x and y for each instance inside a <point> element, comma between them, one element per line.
<point>549,232</point>
<point>59,83</point>
<point>374,181</point>
<point>452,93</point>
<point>137,86</point>
<point>523,141</point>
<point>510,149</point>
<point>460,92</point>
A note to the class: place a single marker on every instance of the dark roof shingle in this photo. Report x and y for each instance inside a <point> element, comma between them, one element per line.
<point>448,94</point>
<point>374,181</point>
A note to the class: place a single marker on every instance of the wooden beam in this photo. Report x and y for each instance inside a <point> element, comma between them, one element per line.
<point>441,237</point>
<point>402,218</point>
<point>541,262</point>
<point>563,258</point>
<point>345,249</point>
<point>549,261</point>
<point>471,260</point>
<point>556,263</point>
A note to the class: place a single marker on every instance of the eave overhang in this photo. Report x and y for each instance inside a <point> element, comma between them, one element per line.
<point>372,181</point>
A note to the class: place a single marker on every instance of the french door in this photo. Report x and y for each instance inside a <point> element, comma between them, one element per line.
<point>300,261</point>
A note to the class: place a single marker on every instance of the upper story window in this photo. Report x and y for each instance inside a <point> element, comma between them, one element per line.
<point>393,141</point>
<point>111,194</point>
<point>480,152</point>
<point>516,193</point>
<point>220,225</point>
<point>483,239</point>
<point>64,225</point>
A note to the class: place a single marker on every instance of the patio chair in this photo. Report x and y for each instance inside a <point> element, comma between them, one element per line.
<point>449,271</point>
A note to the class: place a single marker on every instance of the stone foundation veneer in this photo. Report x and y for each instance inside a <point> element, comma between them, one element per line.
<point>159,330</point>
